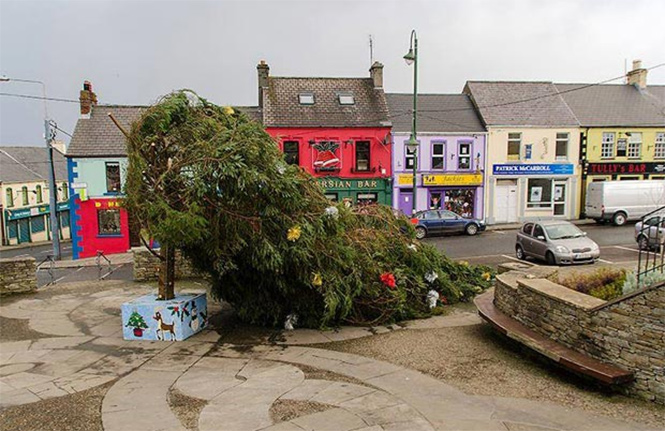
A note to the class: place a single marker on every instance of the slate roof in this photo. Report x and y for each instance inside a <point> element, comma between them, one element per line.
<point>24,164</point>
<point>97,136</point>
<point>507,103</point>
<point>281,106</point>
<point>436,113</point>
<point>615,105</point>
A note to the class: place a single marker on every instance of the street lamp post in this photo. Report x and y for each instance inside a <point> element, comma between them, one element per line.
<point>53,197</point>
<point>412,144</point>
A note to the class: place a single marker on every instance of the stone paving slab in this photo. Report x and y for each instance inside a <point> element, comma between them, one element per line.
<point>330,420</point>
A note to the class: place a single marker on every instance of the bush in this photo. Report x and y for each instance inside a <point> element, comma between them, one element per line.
<point>211,182</point>
<point>603,283</point>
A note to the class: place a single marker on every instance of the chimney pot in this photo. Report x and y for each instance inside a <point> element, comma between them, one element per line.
<point>637,64</point>
<point>376,73</point>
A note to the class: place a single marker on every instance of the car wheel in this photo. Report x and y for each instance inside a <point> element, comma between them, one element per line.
<point>643,243</point>
<point>519,252</point>
<point>619,219</point>
<point>420,232</point>
<point>549,257</point>
<point>471,229</point>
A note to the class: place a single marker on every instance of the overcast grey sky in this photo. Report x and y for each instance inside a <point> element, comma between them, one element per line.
<point>134,52</point>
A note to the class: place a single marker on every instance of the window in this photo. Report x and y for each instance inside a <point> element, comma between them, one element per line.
<point>448,215</point>
<point>108,222</point>
<point>9,197</point>
<point>538,231</point>
<point>622,147</point>
<point>431,215</point>
<point>366,198</point>
<point>24,194</point>
<point>65,191</point>
<point>38,190</point>
<point>659,149</point>
<point>540,193</point>
<point>346,98</point>
<point>38,224</point>
<point>435,201</point>
<point>438,155</point>
<point>527,228</point>
<point>291,152</point>
<point>331,197</point>
<point>561,146</point>
<point>112,177</point>
<point>464,156</point>
<point>362,156</point>
<point>306,98</point>
<point>607,146</point>
<point>514,144</point>
<point>409,157</point>
<point>64,219</point>
<point>634,145</point>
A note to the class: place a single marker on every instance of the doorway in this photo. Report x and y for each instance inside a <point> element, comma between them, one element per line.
<point>559,194</point>
<point>405,203</point>
<point>505,207</point>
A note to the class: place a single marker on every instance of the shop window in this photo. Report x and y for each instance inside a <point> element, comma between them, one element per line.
<point>634,145</point>
<point>64,219</point>
<point>539,193</point>
<point>108,222</point>
<point>607,146</point>
<point>292,153</point>
<point>366,198</point>
<point>331,197</point>
<point>24,194</point>
<point>438,155</point>
<point>409,158</point>
<point>561,146</point>
<point>435,199</point>
<point>9,197</point>
<point>460,201</point>
<point>514,146</point>
<point>659,148</point>
<point>464,156</point>
<point>630,178</point>
<point>112,177</point>
<point>38,224</point>
<point>65,191</point>
<point>40,197</point>
<point>362,156</point>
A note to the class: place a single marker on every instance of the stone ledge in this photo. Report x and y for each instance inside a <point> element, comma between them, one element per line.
<point>561,293</point>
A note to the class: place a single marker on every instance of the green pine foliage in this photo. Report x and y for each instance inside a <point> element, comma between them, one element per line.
<point>211,182</point>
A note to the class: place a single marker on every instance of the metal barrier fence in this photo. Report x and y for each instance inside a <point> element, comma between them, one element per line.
<point>650,235</point>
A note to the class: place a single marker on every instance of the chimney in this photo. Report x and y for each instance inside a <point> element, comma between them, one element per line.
<point>638,76</point>
<point>263,72</point>
<point>87,99</point>
<point>376,73</point>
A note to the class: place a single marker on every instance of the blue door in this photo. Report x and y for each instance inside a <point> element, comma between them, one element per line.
<point>24,230</point>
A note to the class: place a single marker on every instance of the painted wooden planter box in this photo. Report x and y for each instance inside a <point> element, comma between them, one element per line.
<point>146,318</point>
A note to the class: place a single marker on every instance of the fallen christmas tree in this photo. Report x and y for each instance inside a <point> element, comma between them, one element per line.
<point>209,181</point>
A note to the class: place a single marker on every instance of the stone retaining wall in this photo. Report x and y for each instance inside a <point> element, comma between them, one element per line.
<point>17,275</point>
<point>146,266</point>
<point>628,332</point>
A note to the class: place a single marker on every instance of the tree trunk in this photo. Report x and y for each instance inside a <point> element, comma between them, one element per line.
<point>167,273</point>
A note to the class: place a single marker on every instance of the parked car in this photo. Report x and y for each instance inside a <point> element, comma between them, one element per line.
<point>620,201</point>
<point>556,242</point>
<point>651,233</point>
<point>443,221</point>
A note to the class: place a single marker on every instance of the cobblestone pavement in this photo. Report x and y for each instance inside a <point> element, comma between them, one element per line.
<point>73,342</point>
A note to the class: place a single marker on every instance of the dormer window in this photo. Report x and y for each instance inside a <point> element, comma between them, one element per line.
<point>306,98</point>
<point>346,98</point>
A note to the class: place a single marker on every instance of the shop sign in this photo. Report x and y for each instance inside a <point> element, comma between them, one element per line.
<point>343,184</point>
<point>405,180</point>
<point>625,168</point>
<point>533,169</point>
<point>33,211</point>
<point>107,204</point>
<point>453,180</point>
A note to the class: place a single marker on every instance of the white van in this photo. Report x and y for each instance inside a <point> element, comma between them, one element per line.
<point>620,201</point>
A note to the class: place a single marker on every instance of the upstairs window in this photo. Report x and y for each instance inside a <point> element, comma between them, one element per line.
<point>306,98</point>
<point>362,156</point>
<point>65,192</point>
<point>346,98</point>
<point>635,145</point>
<point>438,155</point>
<point>464,156</point>
<point>291,152</point>
<point>112,177</point>
<point>659,148</point>
<point>40,197</point>
<point>561,151</point>
<point>409,157</point>
<point>24,193</point>
<point>9,197</point>
<point>514,146</point>
<point>607,146</point>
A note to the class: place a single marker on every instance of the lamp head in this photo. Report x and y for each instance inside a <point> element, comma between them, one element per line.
<point>411,144</point>
<point>410,57</point>
<point>4,78</point>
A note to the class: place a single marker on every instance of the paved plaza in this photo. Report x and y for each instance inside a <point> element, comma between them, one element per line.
<point>67,339</point>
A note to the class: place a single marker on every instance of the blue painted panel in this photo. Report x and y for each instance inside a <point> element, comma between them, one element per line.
<point>533,169</point>
<point>146,318</point>
<point>74,232</point>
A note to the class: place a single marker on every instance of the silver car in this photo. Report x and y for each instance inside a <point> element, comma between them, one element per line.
<point>651,233</point>
<point>556,242</point>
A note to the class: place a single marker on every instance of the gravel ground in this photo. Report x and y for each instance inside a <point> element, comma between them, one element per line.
<point>285,410</point>
<point>77,412</point>
<point>187,409</point>
<point>479,362</point>
<point>319,374</point>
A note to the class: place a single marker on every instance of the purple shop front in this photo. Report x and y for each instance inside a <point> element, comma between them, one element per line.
<point>146,318</point>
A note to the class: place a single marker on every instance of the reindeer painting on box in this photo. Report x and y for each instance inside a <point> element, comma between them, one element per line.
<point>162,327</point>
